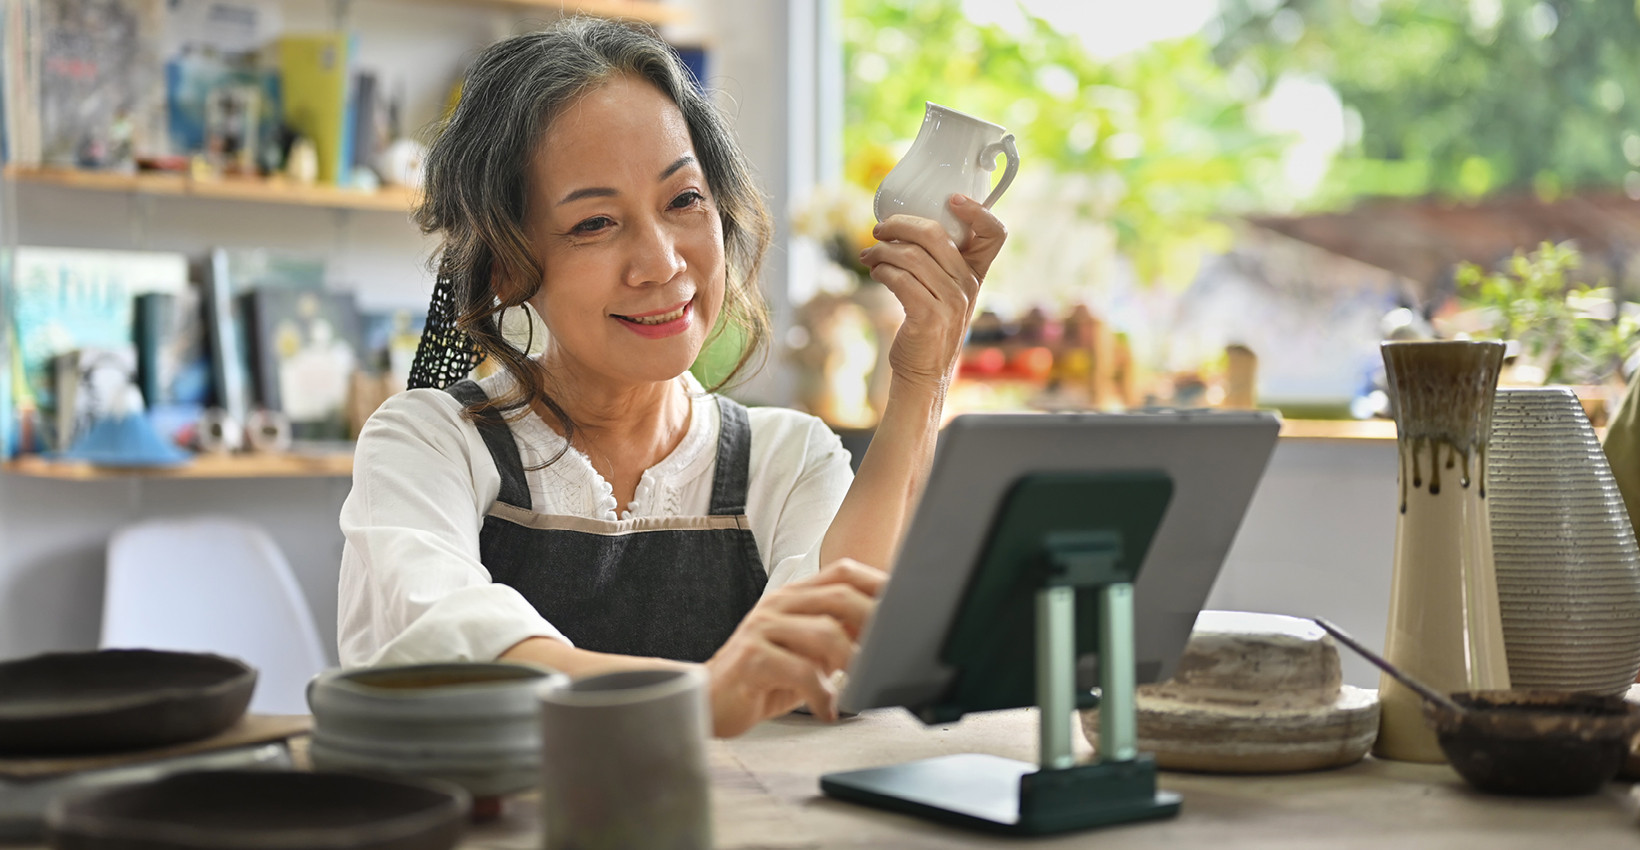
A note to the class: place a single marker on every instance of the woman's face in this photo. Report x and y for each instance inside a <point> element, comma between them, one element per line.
<point>623,223</point>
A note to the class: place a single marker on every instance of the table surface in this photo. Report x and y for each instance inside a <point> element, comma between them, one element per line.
<point>766,796</point>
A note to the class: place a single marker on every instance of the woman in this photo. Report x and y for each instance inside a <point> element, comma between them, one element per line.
<point>582,177</point>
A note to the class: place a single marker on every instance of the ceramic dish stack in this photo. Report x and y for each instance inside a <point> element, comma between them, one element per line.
<point>473,724</point>
<point>73,720</point>
<point>1567,566</point>
<point>1253,693</point>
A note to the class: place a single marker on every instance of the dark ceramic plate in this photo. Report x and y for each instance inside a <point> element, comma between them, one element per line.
<point>118,699</point>
<point>262,810</point>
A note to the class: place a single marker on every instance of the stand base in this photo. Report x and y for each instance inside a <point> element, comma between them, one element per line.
<point>1003,795</point>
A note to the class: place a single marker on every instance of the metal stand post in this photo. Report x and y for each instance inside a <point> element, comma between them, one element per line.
<point>1118,701</point>
<point>1055,691</point>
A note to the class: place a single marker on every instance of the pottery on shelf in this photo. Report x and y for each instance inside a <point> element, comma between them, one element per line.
<point>473,724</point>
<point>1567,565</point>
<point>1444,622</point>
<point>1253,693</point>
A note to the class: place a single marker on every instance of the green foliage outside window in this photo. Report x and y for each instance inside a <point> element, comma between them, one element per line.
<point>1572,333</point>
<point>1161,137</point>
<point>1460,98</point>
<point>1449,98</point>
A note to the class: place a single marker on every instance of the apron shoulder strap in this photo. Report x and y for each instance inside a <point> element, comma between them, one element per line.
<point>734,459</point>
<point>498,438</point>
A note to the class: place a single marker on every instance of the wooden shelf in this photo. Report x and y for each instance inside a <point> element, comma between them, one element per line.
<point>387,199</point>
<point>638,10</point>
<point>340,464</point>
<point>337,465</point>
<point>1338,429</point>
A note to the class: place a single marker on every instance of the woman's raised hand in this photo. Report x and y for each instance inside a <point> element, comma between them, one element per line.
<point>936,283</point>
<point>787,647</point>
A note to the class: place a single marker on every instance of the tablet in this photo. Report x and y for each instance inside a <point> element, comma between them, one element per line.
<point>1214,460</point>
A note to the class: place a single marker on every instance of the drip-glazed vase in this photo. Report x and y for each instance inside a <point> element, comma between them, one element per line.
<point>1444,622</point>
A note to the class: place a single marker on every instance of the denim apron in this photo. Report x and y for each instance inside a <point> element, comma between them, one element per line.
<point>665,587</point>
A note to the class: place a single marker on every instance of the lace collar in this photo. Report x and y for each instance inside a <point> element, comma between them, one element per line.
<point>571,485</point>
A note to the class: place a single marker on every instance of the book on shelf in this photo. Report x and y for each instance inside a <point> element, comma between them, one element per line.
<point>90,383</point>
<point>390,340</point>
<point>306,346</point>
<point>72,298</point>
<point>102,89</point>
<point>20,75</point>
<point>694,58</point>
<point>173,365</point>
<point>233,273</point>
<point>315,84</point>
<point>369,117</point>
<point>221,98</point>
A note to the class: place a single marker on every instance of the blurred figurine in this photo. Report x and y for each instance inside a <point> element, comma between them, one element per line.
<point>835,353</point>
<point>987,327</point>
<point>302,165</point>
<point>1240,377</point>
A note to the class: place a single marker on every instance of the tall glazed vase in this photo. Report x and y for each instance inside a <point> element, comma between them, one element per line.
<point>1444,622</point>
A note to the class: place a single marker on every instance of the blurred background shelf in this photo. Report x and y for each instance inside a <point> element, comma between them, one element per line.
<point>1338,429</point>
<point>647,11</point>
<point>386,199</point>
<point>340,464</point>
<point>318,465</point>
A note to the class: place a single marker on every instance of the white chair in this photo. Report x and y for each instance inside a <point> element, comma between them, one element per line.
<point>214,584</point>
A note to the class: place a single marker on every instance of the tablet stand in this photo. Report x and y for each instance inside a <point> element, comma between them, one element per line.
<point>1057,795</point>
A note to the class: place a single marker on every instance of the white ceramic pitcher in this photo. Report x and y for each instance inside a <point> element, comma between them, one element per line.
<point>953,153</point>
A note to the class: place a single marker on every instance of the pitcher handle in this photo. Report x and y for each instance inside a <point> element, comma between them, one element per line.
<point>988,161</point>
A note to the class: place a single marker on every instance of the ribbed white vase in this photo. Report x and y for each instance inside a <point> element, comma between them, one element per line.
<point>1568,568</point>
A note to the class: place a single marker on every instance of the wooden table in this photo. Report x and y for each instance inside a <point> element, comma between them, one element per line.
<point>766,795</point>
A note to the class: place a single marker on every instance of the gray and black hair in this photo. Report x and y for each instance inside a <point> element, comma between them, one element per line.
<point>474,193</point>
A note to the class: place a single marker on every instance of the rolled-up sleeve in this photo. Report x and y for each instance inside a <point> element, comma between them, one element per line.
<point>800,474</point>
<point>412,588</point>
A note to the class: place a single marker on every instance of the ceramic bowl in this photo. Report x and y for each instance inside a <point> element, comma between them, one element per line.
<point>1537,743</point>
<point>473,724</point>
<point>113,700</point>
<point>261,810</point>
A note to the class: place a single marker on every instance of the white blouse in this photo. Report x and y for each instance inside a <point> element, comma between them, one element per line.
<point>412,588</point>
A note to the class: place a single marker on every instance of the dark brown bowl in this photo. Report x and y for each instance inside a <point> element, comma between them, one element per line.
<point>1537,743</point>
<point>67,703</point>
<point>262,810</point>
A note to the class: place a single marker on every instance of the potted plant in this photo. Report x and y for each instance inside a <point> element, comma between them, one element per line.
<point>1559,330</point>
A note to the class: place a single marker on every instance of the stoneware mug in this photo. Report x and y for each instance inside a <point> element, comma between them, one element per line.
<point>952,153</point>
<point>623,761</point>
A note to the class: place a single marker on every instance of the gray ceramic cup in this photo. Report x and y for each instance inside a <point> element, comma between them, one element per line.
<point>623,761</point>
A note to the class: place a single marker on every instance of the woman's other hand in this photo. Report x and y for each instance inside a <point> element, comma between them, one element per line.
<point>786,649</point>
<point>936,283</point>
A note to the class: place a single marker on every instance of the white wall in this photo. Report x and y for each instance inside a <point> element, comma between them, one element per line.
<point>53,535</point>
<point>1319,541</point>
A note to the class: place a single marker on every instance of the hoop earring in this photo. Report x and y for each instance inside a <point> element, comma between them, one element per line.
<point>522,328</point>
